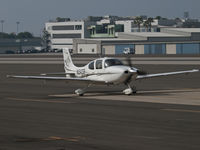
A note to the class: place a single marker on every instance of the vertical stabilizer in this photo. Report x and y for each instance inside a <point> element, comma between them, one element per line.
<point>68,64</point>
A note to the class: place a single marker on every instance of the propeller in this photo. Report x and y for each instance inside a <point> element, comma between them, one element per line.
<point>141,72</point>
<point>129,63</point>
<point>128,59</point>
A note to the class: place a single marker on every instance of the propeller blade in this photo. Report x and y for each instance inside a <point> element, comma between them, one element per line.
<point>141,72</point>
<point>128,60</point>
<point>129,63</point>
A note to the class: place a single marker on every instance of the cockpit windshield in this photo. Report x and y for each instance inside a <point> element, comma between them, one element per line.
<point>112,62</point>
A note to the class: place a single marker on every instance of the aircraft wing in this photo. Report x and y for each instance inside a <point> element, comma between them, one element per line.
<point>57,73</point>
<point>165,74</point>
<point>55,78</point>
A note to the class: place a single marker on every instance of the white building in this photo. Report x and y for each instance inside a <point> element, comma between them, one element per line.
<point>128,25</point>
<point>63,33</point>
<point>104,21</point>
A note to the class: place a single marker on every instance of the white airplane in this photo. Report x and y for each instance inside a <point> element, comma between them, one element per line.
<point>108,71</point>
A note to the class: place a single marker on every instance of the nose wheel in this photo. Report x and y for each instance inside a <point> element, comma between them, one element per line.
<point>130,90</point>
<point>80,92</point>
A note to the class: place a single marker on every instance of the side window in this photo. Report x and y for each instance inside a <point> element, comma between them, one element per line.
<point>99,64</point>
<point>91,65</point>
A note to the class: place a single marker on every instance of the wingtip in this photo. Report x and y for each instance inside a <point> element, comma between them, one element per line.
<point>8,76</point>
<point>196,70</point>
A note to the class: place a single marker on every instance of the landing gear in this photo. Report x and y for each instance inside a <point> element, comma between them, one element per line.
<point>130,90</point>
<point>81,92</point>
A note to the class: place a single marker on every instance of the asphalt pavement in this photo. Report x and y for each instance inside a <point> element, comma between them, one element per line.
<point>34,116</point>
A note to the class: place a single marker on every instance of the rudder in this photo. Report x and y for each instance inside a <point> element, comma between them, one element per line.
<point>68,64</point>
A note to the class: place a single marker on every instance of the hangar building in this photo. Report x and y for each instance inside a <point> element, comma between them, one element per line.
<point>168,41</point>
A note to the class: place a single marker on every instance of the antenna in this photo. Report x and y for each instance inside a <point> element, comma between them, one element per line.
<point>17,26</point>
<point>2,22</point>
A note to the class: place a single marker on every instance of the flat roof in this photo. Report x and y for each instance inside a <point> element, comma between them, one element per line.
<point>153,34</point>
<point>188,30</point>
<point>111,39</point>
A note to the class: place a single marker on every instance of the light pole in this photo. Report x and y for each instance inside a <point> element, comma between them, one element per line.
<point>17,26</point>
<point>2,21</point>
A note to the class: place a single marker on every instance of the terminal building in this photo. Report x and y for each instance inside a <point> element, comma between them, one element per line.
<point>111,35</point>
<point>167,41</point>
<point>61,34</point>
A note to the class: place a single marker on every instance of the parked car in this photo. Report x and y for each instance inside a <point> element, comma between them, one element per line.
<point>31,51</point>
<point>129,51</point>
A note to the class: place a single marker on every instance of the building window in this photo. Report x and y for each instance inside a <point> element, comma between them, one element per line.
<point>78,27</point>
<point>70,36</point>
<point>199,48</point>
<point>119,28</point>
<point>99,64</point>
<point>93,50</point>
<point>143,30</point>
<point>112,31</point>
<point>188,48</point>
<point>81,50</point>
<point>66,27</point>
<point>93,31</point>
<point>101,29</point>
<point>155,49</point>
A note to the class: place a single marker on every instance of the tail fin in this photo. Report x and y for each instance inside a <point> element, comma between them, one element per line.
<point>68,64</point>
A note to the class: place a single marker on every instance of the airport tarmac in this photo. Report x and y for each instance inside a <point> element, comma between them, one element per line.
<point>164,114</point>
<point>79,60</point>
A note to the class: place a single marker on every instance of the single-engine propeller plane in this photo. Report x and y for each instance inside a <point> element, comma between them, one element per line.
<point>108,71</point>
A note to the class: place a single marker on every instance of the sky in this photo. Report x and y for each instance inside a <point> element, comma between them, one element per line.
<point>32,14</point>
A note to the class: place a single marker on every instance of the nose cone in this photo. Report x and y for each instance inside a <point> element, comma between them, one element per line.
<point>120,69</point>
<point>129,70</point>
<point>123,70</point>
<point>119,74</point>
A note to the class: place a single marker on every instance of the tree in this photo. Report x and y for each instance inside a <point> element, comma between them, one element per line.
<point>12,35</point>
<point>138,21</point>
<point>150,20</point>
<point>158,17</point>
<point>21,35</point>
<point>177,19</point>
<point>7,36</point>
<point>4,35</point>
<point>25,35</point>
<point>146,25</point>
<point>45,40</point>
<point>59,19</point>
